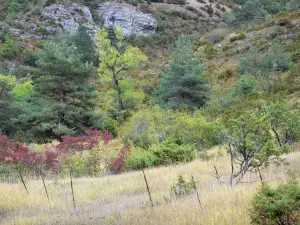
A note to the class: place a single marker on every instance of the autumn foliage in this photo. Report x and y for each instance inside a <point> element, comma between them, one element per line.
<point>88,141</point>
<point>51,158</point>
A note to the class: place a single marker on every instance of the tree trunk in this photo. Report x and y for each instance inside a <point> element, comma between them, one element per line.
<point>232,166</point>
<point>277,137</point>
<point>260,176</point>
<point>117,85</point>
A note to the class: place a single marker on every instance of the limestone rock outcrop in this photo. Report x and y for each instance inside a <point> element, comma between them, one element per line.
<point>70,17</point>
<point>128,17</point>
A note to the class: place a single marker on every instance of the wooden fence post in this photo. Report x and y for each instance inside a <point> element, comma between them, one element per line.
<point>147,187</point>
<point>198,197</point>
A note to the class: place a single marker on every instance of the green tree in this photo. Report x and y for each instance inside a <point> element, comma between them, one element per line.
<point>253,10</point>
<point>116,56</point>
<point>277,206</point>
<point>84,44</point>
<point>276,60</point>
<point>284,123</point>
<point>245,86</point>
<point>251,145</point>
<point>249,11</point>
<point>250,62</point>
<point>9,110</point>
<point>265,67</point>
<point>182,83</point>
<point>61,100</point>
<point>9,48</point>
<point>22,90</point>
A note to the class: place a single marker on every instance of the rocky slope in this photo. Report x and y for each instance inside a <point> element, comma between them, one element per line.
<point>138,20</point>
<point>130,18</point>
<point>68,17</point>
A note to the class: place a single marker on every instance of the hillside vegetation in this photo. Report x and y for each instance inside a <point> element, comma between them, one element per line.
<point>205,99</point>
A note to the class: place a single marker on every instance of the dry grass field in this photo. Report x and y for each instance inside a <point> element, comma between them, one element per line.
<point>123,199</point>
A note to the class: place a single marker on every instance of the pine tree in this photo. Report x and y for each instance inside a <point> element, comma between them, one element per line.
<point>182,83</point>
<point>61,101</point>
<point>84,44</point>
<point>9,110</point>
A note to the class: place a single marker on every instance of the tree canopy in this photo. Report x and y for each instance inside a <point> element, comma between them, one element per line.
<point>182,83</point>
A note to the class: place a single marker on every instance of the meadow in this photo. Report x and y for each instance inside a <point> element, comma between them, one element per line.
<point>123,199</point>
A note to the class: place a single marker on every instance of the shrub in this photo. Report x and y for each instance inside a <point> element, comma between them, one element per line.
<point>277,206</point>
<point>30,58</point>
<point>118,164</point>
<point>292,81</point>
<point>152,126</point>
<point>111,126</point>
<point>9,48</point>
<point>239,36</point>
<point>216,35</point>
<point>245,86</point>
<point>22,90</point>
<point>227,72</point>
<point>266,67</point>
<point>210,10</point>
<point>194,10</point>
<point>172,151</point>
<point>139,158</point>
<point>176,2</point>
<point>276,60</point>
<point>193,130</point>
<point>182,187</point>
<point>209,51</point>
<point>13,10</point>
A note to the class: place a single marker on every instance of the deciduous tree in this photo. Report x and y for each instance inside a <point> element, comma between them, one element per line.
<point>116,56</point>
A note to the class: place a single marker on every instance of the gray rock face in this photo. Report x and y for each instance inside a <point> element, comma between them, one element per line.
<point>128,17</point>
<point>70,17</point>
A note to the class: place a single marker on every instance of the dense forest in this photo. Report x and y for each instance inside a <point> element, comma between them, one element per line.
<point>215,74</point>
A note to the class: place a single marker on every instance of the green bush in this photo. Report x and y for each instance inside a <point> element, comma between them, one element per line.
<point>152,126</point>
<point>9,49</point>
<point>168,152</point>
<point>244,86</point>
<point>209,51</point>
<point>13,10</point>
<point>172,151</point>
<point>277,206</point>
<point>182,187</point>
<point>139,158</point>
<point>292,81</point>
<point>111,126</point>
<point>30,58</point>
<point>253,10</point>
<point>276,60</point>
<point>266,66</point>
<point>239,36</point>
<point>216,35</point>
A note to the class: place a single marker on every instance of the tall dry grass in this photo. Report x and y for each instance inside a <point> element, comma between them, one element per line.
<point>123,199</point>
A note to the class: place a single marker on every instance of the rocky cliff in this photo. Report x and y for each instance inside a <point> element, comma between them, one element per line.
<point>69,17</point>
<point>129,17</point>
